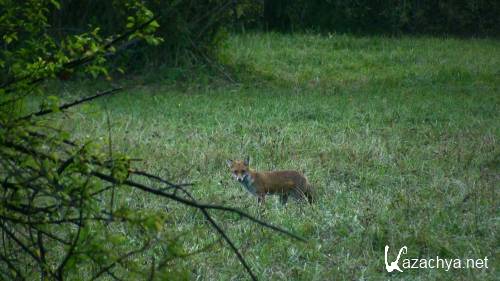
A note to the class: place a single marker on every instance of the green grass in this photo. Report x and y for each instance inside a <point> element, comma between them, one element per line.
<point>399,136</point>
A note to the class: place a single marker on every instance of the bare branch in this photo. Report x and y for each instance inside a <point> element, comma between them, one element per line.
<point>198,205</point>
<point>151,176</point>
<point>19,243</point>
<point>203,208</point>
<point>71,104</point>
<point>230,243</point>
<point>69,253</point>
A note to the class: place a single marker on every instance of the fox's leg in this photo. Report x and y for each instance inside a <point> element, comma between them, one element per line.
<point>309,193</point>
<point>309,197</point>
<point>261,198</point>
<point>284,198</point>
<point>297,194</point>
<point>302,194</point>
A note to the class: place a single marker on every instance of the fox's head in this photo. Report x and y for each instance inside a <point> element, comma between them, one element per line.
<point>239,169</point>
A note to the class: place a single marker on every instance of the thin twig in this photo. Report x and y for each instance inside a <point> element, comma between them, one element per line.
<point>69,253</point>
<point>127,255</point>
<point>71,104</point>
<point>230,243</point>
<point>151,176</point>
<point>12,267</point>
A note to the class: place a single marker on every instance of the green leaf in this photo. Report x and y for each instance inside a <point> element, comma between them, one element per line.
<point>56,4</point>
<point>53,103</point>
<point>154,24</point>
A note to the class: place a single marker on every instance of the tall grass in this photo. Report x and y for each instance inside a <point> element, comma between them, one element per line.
<point>399,136</point>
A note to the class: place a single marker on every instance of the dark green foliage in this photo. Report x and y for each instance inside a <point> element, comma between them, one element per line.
<point>458,17</point>
<point>53,219</point>
<point>247,14</point>
<point>277,15</point>
<point>191,28</point>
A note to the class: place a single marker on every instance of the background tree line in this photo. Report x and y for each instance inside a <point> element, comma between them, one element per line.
<point>453,17</point>
<point>196,27</point>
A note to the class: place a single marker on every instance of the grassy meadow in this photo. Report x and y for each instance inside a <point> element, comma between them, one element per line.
<point>400,137</point>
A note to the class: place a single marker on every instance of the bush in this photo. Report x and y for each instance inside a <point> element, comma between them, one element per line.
<point>191,29</point>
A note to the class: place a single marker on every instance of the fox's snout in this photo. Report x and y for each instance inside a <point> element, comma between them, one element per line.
<point>240,178</point>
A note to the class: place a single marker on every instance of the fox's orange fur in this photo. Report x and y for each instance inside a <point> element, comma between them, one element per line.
<point>283,183</point>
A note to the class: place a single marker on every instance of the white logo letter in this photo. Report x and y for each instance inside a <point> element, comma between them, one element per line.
<point>394,265</point>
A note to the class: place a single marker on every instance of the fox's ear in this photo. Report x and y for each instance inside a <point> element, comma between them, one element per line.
<point>246,161</point>
<point>229,163</point>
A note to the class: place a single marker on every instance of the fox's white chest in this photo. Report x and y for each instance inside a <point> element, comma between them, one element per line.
<point>249,186</point>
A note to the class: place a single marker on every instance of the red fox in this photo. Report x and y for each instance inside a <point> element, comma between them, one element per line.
<point>284,183</point>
